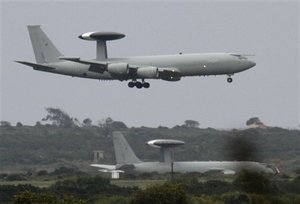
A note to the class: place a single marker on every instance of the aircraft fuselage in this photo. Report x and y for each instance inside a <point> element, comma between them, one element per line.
<point>187,64</point>
<point>226,167</point>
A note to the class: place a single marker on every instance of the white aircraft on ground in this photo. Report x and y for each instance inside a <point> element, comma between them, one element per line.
<point>128,162</point>
<point>136,69</point>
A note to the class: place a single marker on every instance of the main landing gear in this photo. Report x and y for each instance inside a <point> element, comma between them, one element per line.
<point>138,84</point>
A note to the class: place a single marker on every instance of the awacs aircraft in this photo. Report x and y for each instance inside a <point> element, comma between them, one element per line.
<point>128,162</point>
<point>136,69</point>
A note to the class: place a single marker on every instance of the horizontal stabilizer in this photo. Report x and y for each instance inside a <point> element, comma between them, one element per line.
<point>37,66</point>
<point>104,166</point>
<point>69,58</point>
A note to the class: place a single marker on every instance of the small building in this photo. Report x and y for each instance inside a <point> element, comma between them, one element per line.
<point>98,155</point>
<point>116,174</point>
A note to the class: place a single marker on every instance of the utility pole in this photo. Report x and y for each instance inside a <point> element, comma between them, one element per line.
<point>172,171</point>
<point>172,167</point>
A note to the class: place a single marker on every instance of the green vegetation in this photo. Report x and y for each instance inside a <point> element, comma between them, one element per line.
<point>82,189</point>
<point>49,163</point>
<point>34,197</point>
<point>46,147</point>
<point>59,118</point>
<point>161,194</point>
<point>245,188</point>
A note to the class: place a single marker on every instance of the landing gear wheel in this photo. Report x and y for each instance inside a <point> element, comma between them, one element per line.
<point>229,80</point>
<point>146,85</point>
<point>139,85</point>
<point>131,84</point>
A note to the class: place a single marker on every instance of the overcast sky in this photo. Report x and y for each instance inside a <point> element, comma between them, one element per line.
<point>270,90</point>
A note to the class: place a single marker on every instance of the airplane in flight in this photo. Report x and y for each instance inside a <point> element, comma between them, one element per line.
<point>136,69</point>
<point>128,162</point>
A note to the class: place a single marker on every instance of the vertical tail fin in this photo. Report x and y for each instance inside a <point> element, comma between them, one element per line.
<point>123,152</point>
<point>44,50</point>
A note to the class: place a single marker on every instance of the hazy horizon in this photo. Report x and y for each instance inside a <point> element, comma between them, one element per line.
<point>96,122</point>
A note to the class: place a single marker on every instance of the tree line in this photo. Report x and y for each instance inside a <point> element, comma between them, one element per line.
<point>58,117</point>
<point>246,188</point>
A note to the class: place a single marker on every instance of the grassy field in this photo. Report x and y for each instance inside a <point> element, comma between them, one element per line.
<point>142,184</point>
<point>37,183</point>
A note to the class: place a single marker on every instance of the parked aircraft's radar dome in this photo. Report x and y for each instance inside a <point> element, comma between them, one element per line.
<point>104,36</point>
<point>165,143</point>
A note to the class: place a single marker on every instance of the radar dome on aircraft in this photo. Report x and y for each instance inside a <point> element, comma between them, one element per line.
<point>161,143</point>
<point>104,36</point>
<point>101,38</point>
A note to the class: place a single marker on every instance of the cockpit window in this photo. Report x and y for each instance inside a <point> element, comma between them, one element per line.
<point>242,57</point>
<point>274,168</point>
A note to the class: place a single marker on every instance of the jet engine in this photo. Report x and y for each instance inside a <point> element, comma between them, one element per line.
<point>169,74</point>
<point>147,72</point>
<point>118,68</point>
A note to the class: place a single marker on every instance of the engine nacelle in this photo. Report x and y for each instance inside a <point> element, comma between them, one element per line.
<point>147,72</point>
<point>169,74</point>
<point>118,69</point>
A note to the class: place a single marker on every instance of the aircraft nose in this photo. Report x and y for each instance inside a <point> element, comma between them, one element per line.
<point>247,64</point>
<point>250,63</point>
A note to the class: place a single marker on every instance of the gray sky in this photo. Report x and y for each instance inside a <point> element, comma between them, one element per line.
<point>270,91</point>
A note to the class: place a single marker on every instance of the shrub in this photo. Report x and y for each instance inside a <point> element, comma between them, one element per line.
<point>161,194</point>
<point>15,177</point>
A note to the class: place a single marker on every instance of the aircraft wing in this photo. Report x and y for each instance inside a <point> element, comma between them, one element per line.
<point>35,66</point>
<point>165,73</point>
<point>104,166</point>
<point>82,61</point>
<point>96,66</point>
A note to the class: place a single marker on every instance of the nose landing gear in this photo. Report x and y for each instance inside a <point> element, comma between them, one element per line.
<point>229,79</point>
